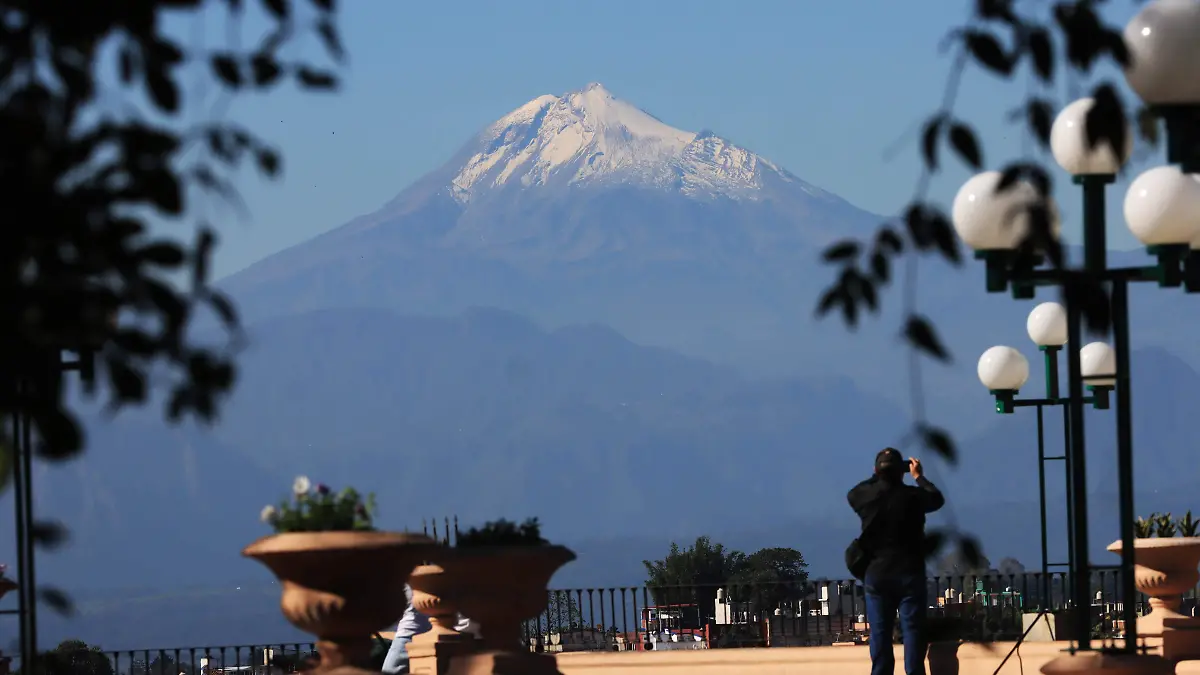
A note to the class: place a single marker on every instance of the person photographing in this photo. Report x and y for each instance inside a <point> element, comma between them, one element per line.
<point>889,556</point>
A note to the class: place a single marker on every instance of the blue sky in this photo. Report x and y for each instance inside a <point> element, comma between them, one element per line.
<point>821,88</point>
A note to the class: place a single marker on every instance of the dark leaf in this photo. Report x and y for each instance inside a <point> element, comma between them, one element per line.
<point>914,219</point>
<point>929,140</point>
<point>832,297</point>
<point>268,161</point>
<point>1028,172</point>
<point>163,90</point>
<point>265,69</point>
<point>996,10</point>
<point>224,308</point>
<point>1039,114</point>
<point>161,253</point>
<point>59,434</point>
<point>329,36</point>
<point>1089,294</point>
<point>886,239</point>
<point>964,143</point>
<point>1083,31</point>
<point>206,240</point>
<point>939,442</point>
<point>315,79</point>
<point>988,52</point>
<point>48,535</point>
<point>946,239</point>
<point>881,267</point>
<point>1147,125</point>
<point>165,191</point>
<point>1114,42</point>
<point>128,384</point>
<point>841,251</point>
<point>323,5</point>
<point>866,291</point>
<point>1041,49</point>
<point>921,335</point>
<point>933,543</point>
<point>968,549</point>
<point>135,342</point>
<point>1106,121</point>
<point>227,70</point>
<point>278,8</point>
<point>57,600</point>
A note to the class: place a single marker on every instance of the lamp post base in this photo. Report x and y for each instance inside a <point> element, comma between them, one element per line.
<point>1101,663</point>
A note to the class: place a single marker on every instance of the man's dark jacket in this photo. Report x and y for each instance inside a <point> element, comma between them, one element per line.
<point>897,515</point>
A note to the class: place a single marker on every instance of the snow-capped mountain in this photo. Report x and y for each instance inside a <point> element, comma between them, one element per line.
<point>582,208</point>
<point>592,136</point>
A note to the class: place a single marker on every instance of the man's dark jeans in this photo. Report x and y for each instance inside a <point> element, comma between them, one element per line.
<point>885,596</point>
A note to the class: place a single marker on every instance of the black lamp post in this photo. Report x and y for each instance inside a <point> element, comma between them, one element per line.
<point>1004,371</point>
<point>1162,209</point>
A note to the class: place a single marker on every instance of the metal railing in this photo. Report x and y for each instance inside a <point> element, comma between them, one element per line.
<point>985,608</point>
<point>278,659</point>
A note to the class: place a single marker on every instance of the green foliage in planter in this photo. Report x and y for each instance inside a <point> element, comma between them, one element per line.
<point>1143,528</point>
<point>1164,526</point>
<point>1188,526</point>
<point>503,533</point>
<point>318,509</point>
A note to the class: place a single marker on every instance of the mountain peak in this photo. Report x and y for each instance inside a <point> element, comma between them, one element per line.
<point>590,136</point>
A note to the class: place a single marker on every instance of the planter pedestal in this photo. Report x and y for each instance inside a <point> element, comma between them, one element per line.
<point>943,658</point>
<point>430,653</point>
<point>1164,569</point>
<point>342,587</point>
<point>508,662</point>
<point>1099,663</point>
<point>1181,639</point>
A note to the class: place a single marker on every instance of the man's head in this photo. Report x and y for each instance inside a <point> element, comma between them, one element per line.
<point>891,465</point>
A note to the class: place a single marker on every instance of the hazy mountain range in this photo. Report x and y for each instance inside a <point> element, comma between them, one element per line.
<point>592,317</point>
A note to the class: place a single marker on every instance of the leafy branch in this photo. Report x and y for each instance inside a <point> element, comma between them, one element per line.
<point>1000,41</point>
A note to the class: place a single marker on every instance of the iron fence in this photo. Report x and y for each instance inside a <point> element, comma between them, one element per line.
<point>990,607</point>
<point>985,608</point>
<point>71,658</point>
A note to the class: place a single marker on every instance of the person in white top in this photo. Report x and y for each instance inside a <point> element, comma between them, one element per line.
<point>411,624</point>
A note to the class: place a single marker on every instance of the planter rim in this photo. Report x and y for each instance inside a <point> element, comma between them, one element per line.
<point>1158,542</point>
<point>515,551</point>
<point>296,542</point>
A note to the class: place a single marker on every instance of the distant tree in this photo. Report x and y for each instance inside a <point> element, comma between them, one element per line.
<point>161,664</point>
<point>766,578</point>
<point>1010,567</point>
<point>692,575</point>
<point>73,657</point>
<point>954,564</point>
<point>770,577</point>
<point>562,614</point>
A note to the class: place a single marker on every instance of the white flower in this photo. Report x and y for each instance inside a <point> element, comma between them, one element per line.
<point>301,485</point>
<point>269,514</point>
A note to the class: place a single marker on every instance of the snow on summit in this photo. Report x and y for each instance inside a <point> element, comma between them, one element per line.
<point>592,136</point>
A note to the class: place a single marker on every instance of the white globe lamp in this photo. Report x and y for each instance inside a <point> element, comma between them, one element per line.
<point>987,220</point>
<point>1164,50</point>
<point>1097,359</point>
<point>1003,369</point>
<point>1069,144</point>
<point>1047,325</point>
<point>1162,206</point>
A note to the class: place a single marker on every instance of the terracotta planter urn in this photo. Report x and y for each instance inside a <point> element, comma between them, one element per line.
<point>342,587</point>
<point>502,587</point>
<point>1164,570</point>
